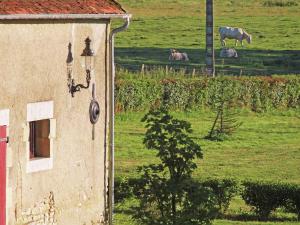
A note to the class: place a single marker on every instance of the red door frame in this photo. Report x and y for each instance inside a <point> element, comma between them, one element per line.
<point>3,175</point>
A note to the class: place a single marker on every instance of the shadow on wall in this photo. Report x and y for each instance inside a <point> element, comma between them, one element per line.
<point>249,62</point>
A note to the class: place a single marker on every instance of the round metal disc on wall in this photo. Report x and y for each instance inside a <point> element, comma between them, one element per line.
<point>94,111</point>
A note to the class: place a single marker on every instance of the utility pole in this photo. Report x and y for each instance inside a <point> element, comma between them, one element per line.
<point>210,53</point>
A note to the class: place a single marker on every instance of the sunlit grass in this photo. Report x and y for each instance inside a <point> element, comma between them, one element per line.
<point>266,147</point>
<point>158,26</point>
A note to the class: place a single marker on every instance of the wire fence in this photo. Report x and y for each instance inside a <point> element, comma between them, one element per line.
<point>200,70</point>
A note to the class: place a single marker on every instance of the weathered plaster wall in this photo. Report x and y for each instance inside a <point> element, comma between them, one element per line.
<point>33,69</point>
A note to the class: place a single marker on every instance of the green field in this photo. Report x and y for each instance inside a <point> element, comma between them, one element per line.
<point>158,26</point>
<point>266,147</point>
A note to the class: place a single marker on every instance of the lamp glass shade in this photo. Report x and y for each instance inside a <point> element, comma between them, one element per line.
<point>87,62</point>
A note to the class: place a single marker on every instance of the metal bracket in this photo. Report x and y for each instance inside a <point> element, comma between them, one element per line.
<point>4,140</point>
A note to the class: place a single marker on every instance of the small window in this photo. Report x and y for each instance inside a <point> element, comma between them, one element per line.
<point>39,141</point>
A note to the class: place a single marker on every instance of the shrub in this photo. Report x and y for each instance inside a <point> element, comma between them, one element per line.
<point>166,192</point>
<point>123,189</point>
<point>224,190</point>
<point>264,197</point>
<point>194,203</point>
<point>293,200</point>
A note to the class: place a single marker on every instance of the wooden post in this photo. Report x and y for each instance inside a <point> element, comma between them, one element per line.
<point>193,73</point>
<point>143,69</point>
<point>210,53</point>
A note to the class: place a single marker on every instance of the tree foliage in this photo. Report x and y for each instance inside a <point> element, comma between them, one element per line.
<point>224,190</point>
<point>170,138</point>
<point>167,194</point>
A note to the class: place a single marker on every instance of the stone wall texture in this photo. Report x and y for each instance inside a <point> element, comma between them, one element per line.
<point>42,213</point>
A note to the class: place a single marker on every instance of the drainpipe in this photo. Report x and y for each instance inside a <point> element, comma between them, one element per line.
<point>112,116</point>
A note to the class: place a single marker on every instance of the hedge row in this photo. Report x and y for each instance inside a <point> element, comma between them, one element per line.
<point>267,197</point>
<point>255,93</point>
<point>263,197</point>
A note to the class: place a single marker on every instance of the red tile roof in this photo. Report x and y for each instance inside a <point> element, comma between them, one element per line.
<point>12,7</point>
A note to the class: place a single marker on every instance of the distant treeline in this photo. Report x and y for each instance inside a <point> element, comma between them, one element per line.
<point>258,94</point>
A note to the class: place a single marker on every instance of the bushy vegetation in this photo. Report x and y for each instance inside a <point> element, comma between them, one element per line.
<point>280,3</point>
<point>224,190</point>
<point>263,197</point>
<point>166,192</point>
<point>256,93</point>
<point>293,200</point>
<point>267,197</point>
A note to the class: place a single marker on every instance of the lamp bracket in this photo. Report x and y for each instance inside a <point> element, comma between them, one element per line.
<point>74,88</point>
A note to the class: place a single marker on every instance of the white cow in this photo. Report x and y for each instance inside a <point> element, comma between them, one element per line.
<point>175,55</point>
<point>228,53</point>
<point>234,33</point>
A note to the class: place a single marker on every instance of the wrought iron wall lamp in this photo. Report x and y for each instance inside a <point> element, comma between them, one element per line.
<point>87,64</point>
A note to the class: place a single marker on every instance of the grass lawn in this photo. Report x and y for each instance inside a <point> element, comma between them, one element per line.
<point>158,26</point>
<point>266,147</point>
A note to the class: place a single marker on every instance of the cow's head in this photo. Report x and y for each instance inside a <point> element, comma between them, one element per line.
<point>249,39</point>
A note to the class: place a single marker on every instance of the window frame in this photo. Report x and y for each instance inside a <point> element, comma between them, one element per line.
<point>35,112</point>
<point>35,151</point>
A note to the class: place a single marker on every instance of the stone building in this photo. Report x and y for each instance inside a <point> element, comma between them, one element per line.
<point>56,111</point>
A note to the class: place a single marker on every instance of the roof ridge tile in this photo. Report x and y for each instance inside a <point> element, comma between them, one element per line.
<point>12,7</point>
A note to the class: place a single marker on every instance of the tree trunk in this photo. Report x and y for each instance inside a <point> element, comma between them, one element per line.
<point>213,127</point>
<point>174,208</point>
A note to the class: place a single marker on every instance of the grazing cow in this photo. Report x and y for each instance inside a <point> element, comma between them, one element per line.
<point>228,53</point>
<point>176,56</point>
<point>234,33</point>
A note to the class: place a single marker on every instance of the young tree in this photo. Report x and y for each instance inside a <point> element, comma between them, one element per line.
<point>225,122</point>
<point>167,193</point>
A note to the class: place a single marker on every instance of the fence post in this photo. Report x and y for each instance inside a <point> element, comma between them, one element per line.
<point>143,69</point>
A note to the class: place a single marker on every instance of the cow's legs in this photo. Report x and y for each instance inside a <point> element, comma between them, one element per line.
<point>223,43</point>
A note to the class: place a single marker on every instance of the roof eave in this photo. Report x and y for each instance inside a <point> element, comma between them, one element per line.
<point>63,16</point>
